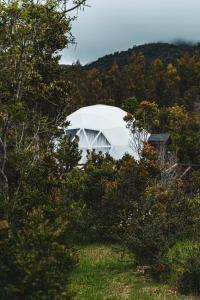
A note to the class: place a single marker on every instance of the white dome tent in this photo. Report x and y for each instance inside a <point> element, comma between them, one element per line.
<point>101,128</point>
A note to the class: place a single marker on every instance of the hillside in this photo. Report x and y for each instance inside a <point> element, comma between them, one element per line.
<point>168,53</point>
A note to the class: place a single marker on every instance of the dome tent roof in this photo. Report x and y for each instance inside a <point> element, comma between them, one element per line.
<point>102,128</point>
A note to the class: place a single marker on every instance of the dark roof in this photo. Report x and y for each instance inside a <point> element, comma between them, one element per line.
<point>159,137</point>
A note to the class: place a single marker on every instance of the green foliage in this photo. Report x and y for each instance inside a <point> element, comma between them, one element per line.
<point>44,197</point>
<point>98,171</point>
<point>130,104</point>
<point>150,222</point>
<point>149,72</point>
<point>35,156</point>
<point>196,181</point>
<point>124,203</point>
<point>141,122</point>
<point>185,269</point>
<point>189,281</point>
<point>145,117</point>
<point>163,217</point>
<point>111,190</point>
<point>184,134</point>
<point>121,195</point>
<point>35,259</point>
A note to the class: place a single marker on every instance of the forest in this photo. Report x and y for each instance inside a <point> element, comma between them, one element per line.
<point>171,78</point>
<point>167,52</point>
<point>52,212</point>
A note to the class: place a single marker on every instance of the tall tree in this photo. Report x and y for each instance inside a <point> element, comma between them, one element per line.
<point>143,120</point>
<point>171,85</point>
<point>133,77</point>
<point>35,156</point>
<point>113,86</point>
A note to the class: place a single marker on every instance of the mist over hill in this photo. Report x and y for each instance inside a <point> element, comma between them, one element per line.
<point>167,52</point>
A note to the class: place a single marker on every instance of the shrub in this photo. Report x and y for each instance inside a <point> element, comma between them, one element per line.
<point>35,260</point>
<point>36,257</point>
<point>119,203</point>
<point>98,171</point>
<point>184,261</point>
<point>158,219</point>
<point>189,281</point>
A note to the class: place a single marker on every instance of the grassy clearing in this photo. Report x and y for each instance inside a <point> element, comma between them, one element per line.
<point>104,274</point>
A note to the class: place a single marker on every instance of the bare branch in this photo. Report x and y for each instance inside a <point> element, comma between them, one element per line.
<point>75,7</point>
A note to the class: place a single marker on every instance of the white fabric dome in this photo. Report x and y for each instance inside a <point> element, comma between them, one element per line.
<point>102,128</point>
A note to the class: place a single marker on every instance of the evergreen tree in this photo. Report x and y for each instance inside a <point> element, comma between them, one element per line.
<point>35,156</point>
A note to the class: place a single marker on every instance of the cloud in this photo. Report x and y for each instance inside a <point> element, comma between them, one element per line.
<point>115,25</point>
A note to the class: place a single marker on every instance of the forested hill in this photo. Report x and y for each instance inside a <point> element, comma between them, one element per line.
<point>163,73</point>
<point>168,53</point>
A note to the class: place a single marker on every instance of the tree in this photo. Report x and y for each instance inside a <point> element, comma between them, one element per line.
<point>74,76</point>
<point>98,171</point>
<point>92,88</point>
<point>121,194</point>
<point>31,80</point>
<point>141,122</point>
<point>36,257</point>
<point>130,104</point>
<point>113,84</point>
<point>133,77</point>
<point>178,121</point>
<point>154,81</point>
<point>171,86</point>
<point>35,156</point>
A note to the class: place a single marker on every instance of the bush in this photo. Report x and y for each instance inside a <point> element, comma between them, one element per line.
<point>184,261</point>
<point>110,190</point>
<point>119,203</point>
<point>175,257</point>
<point>189,281</point>
<point>98,171</point>
<point>36,260</point>
<point>159,218</point>
<point>36,257</point>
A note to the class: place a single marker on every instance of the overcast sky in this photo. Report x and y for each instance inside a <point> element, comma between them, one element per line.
<point>115,25</point>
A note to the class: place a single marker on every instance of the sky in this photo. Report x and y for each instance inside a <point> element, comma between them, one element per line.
<point>108,26</point>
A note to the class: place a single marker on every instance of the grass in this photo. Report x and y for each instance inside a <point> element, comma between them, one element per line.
<point>103,273</point>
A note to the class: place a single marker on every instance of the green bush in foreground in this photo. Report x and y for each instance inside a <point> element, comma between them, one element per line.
<point>184,261</point>
<point>189,281</point>
<point>35,155</point>
<point>35,262</point>
<point>157,220</point>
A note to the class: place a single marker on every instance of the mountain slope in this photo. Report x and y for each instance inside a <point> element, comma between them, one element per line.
<point>168,53</point>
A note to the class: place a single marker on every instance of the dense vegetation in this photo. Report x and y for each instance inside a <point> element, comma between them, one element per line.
<point>35,255</point>
<point>135,203</point>
<point>167,81</point>
<point>47,202</point>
